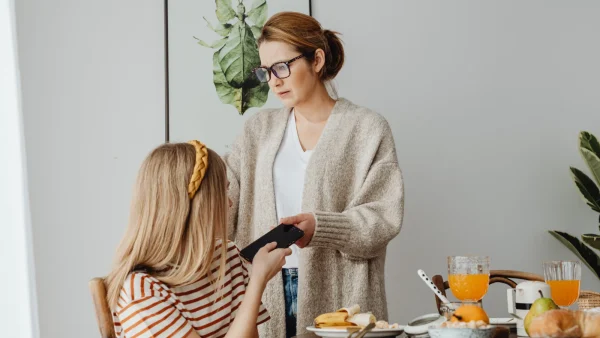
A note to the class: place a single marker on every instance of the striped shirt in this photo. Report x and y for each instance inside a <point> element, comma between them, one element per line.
<point>149,308</point>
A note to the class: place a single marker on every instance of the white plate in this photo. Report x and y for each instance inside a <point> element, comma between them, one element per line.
<point>503,321</point>
<point>342,333</point>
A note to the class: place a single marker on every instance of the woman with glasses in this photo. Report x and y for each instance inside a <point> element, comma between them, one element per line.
<point>324,164</point>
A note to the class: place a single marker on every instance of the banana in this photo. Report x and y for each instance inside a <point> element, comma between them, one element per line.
<point>345,317</point>
<point>332,319</point>
<point>352,310</point>
<point>362,319</point>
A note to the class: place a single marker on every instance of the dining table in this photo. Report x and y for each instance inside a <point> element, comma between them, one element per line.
<point>501,332</point>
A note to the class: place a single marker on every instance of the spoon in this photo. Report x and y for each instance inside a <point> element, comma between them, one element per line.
<point>433,288</point>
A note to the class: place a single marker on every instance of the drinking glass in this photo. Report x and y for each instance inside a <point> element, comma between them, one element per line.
<point>469,277</point>
<point>564,278</point>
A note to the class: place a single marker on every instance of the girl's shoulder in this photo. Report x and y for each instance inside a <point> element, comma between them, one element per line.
<point>140,284</point>
<point>233,254</point>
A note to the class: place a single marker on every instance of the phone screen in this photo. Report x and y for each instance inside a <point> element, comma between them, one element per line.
<point>284,234</point>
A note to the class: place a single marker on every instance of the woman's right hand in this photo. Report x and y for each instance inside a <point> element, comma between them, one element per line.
<point>268,262</point>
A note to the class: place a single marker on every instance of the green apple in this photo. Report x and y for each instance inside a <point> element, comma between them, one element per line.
<point>538,307</point>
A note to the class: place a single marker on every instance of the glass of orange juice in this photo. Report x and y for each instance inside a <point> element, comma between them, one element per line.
<point>469,277</point>
<point>564,278</point>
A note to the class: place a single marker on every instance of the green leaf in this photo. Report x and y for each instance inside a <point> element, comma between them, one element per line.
<point>254,96</point>
<point>589,142</point>
<point>220,29</point>
<point>239,55</point>
<point>251,94</point>
<point>587,188</point>
<point>224,11</point>
<point>256,32</point>
<point>592,240</point>
<point>241,11</point>
<point>258,13</point>
<point>215,45</point>
<point>592,161</point>
<point>225,91</point>
<point>587,255</point>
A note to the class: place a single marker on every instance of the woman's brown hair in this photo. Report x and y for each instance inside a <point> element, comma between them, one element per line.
<point>306,35</point>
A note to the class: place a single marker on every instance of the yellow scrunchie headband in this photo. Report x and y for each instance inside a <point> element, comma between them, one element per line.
<point>199,167</point>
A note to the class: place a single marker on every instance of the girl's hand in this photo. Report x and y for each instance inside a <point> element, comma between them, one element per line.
<point>268,262</point>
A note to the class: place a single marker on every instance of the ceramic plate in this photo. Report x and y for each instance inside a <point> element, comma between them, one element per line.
<point>461,333</point>
<point>338,333</point>
<point>503,321</point>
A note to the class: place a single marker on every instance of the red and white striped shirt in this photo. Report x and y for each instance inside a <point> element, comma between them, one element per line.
<point>149,308</point>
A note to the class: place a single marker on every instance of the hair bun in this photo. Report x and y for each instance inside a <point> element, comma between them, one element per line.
<point>334,56</point>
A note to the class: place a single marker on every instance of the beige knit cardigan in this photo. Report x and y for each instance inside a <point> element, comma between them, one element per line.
<point>354,187</point>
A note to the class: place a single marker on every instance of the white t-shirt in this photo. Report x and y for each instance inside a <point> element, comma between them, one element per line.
<point>289,169</point>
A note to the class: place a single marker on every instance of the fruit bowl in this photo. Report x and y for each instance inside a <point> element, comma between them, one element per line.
<point>451,332</point>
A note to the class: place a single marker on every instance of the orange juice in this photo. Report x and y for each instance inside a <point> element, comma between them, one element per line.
<point>469,286</point>
<point>564,292</point>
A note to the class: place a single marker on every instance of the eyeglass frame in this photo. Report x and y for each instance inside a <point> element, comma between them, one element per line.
<point>270,69</point>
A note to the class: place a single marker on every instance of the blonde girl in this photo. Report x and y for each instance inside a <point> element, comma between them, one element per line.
<point>176,274</point>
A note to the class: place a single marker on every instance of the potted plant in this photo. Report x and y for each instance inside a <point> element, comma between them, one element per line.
<point>590,193</point>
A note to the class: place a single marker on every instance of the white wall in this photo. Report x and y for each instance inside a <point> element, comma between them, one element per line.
<point>92,76</point>
<point>485,100</point>
<point>18,314</point>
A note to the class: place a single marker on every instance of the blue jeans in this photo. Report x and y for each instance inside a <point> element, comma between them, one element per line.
<point>290,290</point>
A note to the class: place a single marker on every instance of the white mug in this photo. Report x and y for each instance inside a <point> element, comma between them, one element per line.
<point>520,299</point>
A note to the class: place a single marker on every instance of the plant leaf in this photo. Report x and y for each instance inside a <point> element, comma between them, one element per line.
<point>587,188</point>
<point>254,96</point>
<point>587,255</point>
<point>221,29</point>
<point>239,55</point>
<point>589,142</point>
<point>592,161</point>
<point>592,240</point>
<point>215,45</point>
<point>224,11</point>
<point>258,13</point>
<point>256,32</point>
<point>251,94</point>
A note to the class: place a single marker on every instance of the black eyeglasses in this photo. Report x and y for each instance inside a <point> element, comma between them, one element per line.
<point>280,69</point>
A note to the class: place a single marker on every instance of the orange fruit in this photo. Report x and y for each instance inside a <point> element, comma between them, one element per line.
<point>467,313</point>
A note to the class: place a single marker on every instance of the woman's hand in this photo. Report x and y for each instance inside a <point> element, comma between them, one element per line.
<point>268,262</point>
<point>305,222</point>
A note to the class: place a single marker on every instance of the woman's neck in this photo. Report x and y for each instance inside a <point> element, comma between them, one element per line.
<point>318,107</point>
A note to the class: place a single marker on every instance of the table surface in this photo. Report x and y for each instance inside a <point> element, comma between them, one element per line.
<point>502,333</point>
<point>312,335</point>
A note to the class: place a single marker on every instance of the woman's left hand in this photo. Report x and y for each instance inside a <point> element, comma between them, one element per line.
<point>305,222</point>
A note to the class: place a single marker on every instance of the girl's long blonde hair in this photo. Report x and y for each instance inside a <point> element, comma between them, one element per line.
<point>169,235</point>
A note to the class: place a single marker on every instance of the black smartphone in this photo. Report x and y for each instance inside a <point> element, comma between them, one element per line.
<point>284,234</point>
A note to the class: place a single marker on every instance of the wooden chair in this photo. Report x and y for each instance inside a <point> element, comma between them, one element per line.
<point>103,313</point>
<point>496,276</point>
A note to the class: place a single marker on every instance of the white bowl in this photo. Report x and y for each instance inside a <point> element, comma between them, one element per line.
<point>452,332</point>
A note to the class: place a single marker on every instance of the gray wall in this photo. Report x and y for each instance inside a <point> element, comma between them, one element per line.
<point>93,98</point>
<point>485,100</point>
